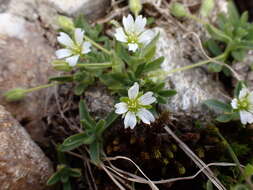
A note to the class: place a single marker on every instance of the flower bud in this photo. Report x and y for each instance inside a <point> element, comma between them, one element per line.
<point>178,10</point>
<point>206,7</point>
<point>135,6</point>
<point>61,65</point>
<point>65,23</point>
<point>15,94</point>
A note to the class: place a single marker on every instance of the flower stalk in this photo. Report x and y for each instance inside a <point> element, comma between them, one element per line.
<point>97,45</point>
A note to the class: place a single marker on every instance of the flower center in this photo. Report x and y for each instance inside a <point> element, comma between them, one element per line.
<point>133,105</point>
<point>243,104</point>
<point>132,38</point>
<point>77,50</point>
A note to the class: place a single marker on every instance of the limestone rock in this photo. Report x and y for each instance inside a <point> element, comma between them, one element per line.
<point>23,165</point>
<point>25,62</point>
<point>193,86</point>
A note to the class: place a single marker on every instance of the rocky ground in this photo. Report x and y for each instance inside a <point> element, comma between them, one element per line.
<point>28,32</point>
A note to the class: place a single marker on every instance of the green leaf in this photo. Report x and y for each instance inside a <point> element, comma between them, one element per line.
<point>232,12</point>
<point>239,86</point>
<point>213,47</point>
<point>67,186</point>
<point>65,178</point>
<point>238,55</point>
<point>217,34</point>
<point>84,114</point>
<point>117,64</point>
<point>73,172</point>
<point>80,88</point>
<point>167,93</point>
<point>148,51</point>
<point>66,78</point>
<point>153,65</point>
<point>94,151</point>
<point>248,170</point>
<point>76,140</point>
<point>56,177</point>
<point>224,118</point>
<point>100,127</point>
<point>111,117</point>
<point>209,185</point>
<point>214,67</point>
<point>215,104</point>
<point>140,70</point>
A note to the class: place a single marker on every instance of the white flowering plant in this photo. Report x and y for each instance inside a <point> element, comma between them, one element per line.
<point>240,107</point>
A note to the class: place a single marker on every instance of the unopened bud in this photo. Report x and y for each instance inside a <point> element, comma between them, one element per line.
<point>65,23</point>
<point>206,7</point>
<point>15,94</point>
<point>61,65</point>
<point>135,6</point>
<point>178,10</point>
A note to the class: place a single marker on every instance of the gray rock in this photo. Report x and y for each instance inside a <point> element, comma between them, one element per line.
<point>23,165</point>
<point>25,62</point>
<point>244,69</point>
<point>193,86</point>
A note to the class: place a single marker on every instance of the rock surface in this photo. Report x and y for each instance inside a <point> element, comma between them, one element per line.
<point>193,86</point>
<point>23,166</point>
<point>25,62</point>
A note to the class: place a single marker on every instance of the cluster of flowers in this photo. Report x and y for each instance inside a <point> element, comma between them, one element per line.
<point>133,34</point>
<point>135,107</point>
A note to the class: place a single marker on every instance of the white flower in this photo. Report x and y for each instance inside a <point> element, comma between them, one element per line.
<point>134,33</point>
<point>244,104</point>
<point>135,106</point>
<point>73,48</point>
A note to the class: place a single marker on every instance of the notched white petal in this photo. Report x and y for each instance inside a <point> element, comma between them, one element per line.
<point>62,53</point>
<point>146,116</point>
<point>86,48</point>
<point>120,35</point>
<point>65,40</point>
<point>121,108</point>
<point>128,23</point>
<point>72,60</point>
<point>130,120</point>
<point>133,91</point>
<point>140,24</point>
<point>79,34</point>
<point>132,47</point>
<point>244,92</point>
<point>146,37</point>
<point>246,117</point>
<point>147,99</point>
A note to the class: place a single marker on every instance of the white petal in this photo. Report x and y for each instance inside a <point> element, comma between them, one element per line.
<point>146,37</point>
<point>64,39</point>
<point>128,23</point>
<point>147,99</point>
<point>133,91</point>
<point>130,120</point>
<point>244,92</point>
<point>121,108</point>
<point>139,24</point>
<point>79,33</point>
<point>234,103</point>
<point>246,117</point>
<point>146,116</point>
<point>72,60</point>
<point>62,53</point>
<point>120,35</point>
<point>132,47</point>
<point>250,98</point>
<point>86,47</point>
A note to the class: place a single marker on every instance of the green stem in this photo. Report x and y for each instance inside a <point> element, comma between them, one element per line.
<point>193,17</point>
<point>40,87</point>
<point>196,64</point>
<point>100,65</point>
<point>97,45</point>
<point>235,159</point>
